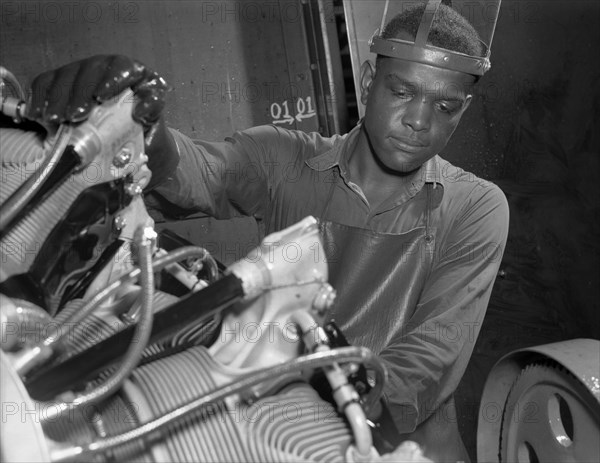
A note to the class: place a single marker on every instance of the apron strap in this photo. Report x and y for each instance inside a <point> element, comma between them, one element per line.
<point>325,209</point>
<point>428,208</point>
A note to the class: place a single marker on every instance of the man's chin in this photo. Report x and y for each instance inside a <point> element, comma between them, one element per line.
<point>404,164</point>
<point>402,169</point>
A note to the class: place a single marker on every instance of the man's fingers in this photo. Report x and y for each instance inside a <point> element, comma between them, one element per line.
<point>120,73</point>
<point>59,93</point>
<point>69,93</point>
<point>37,96</point>
<point>150,105</point>
<point>89,77</point>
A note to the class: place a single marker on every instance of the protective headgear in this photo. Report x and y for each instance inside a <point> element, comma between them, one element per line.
<point>455,35</point>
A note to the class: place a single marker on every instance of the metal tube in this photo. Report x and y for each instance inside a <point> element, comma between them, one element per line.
<point>24,362</point>
<point>344,393</point>
<point>51,380</point>
<point>19,318</point>
<point>18,199</point>
<point>99,297</point>
<point>135,349</point>
<point>319,359</point>
<point>8,76</point>
<point>212,266</point>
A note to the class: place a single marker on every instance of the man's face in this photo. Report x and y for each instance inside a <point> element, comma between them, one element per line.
<point>412,110</point>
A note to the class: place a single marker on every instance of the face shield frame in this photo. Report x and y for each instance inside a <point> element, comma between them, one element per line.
<point>422,52</point>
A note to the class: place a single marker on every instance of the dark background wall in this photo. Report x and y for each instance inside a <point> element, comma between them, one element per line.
<point>533,129</point>
<point>227,61</point>
<point>232,64</point>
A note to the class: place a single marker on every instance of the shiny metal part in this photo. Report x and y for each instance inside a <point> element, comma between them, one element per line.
<point>324,299</point>
<point>360,354</point>
<point>133,189</point>
<point>12,96</point>
<point>122,158</point>
<point>119,222</point>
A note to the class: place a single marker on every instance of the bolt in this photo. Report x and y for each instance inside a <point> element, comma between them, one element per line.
<point>360,387</point>
<point>122,158</point>
<point>119,223</point>
<point>133,189</point>
<point>323,299</point>
<point>352,368</point>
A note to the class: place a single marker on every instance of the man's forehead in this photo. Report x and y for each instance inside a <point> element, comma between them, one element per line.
<point>445,89</point>
<point>423,76</point>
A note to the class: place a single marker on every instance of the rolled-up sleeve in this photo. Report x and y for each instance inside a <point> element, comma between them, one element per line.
<point>427,359</point>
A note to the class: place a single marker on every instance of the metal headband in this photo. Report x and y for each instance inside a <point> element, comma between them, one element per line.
<point>421,52</point>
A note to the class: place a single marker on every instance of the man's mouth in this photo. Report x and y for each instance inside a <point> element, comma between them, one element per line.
<point>407,144</point>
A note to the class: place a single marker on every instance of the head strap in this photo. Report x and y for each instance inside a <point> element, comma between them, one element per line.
<point>426,22</point>
<point>422,52</point>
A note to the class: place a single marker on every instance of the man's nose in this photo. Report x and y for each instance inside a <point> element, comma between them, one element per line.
<point>417,115</point>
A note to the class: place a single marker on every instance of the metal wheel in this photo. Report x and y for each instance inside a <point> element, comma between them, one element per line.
<point>550,417</point>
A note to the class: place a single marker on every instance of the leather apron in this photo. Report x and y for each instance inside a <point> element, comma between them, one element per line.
<point>379,278</point>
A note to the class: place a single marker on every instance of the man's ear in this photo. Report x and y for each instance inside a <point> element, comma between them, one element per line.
<point>466,104</point>
<point>367,74</point>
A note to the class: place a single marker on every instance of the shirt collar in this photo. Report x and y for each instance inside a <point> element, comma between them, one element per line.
<point>333,157</point>
<point>431,171</point>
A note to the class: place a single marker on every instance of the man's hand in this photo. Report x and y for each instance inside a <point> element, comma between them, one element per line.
<point>69,93</point>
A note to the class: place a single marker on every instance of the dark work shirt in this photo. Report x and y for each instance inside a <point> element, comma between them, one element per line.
<point>282,176</point>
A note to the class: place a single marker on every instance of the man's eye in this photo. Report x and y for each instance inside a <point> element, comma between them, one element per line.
<point>447,107</point>
<point>401,93</point>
